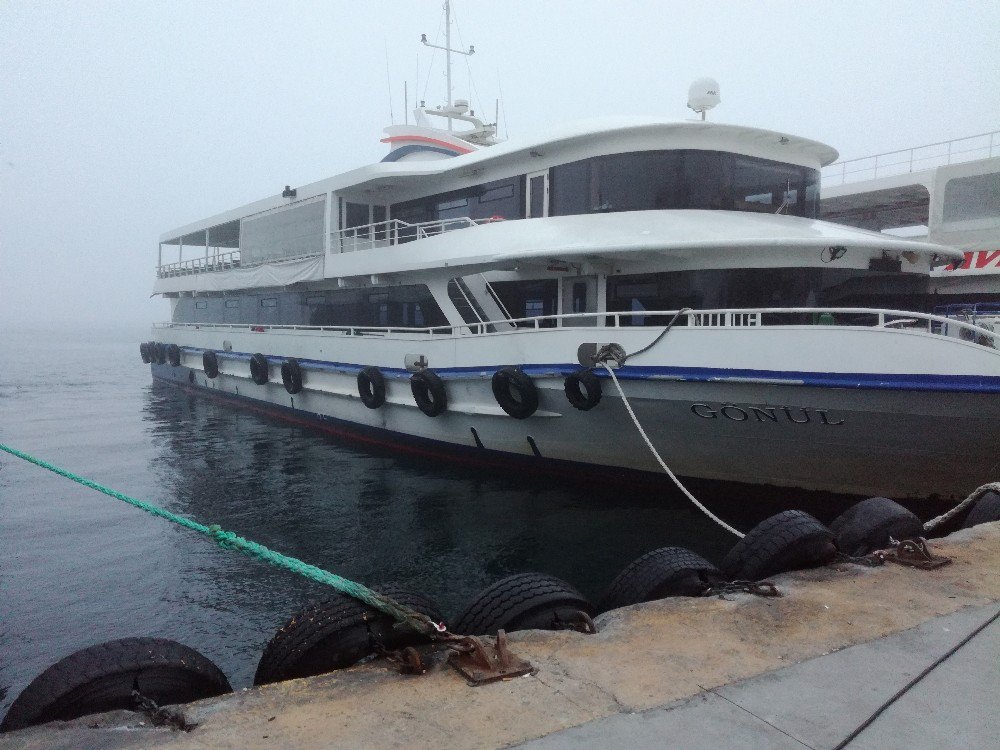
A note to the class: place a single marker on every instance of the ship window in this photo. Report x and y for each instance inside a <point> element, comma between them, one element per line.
<point>496,194</point>
<point>647,180</point>
<point>406,306</point>
<point>269,302</point>
<point>529,299</point>
<point>201,305</point>
<point>292,232</point>
<point>763,287</point>
<point>502,198</point>
<point>316,300</point>
<point>972,198</point>
<point>232,303</point>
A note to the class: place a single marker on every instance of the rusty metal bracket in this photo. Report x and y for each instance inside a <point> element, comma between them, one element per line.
<point>757,588</point>
<point>406,660</point>
<point>479,663</point>
<point>914,553</point>
<point>577,620</point>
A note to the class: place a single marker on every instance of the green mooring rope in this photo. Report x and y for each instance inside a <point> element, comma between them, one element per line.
<point>231,541</point>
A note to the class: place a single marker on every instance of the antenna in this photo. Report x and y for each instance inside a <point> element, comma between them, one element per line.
<point>703,95</point>
<point>388,81</point>
<point>448,50</point>
<point>406,103</point>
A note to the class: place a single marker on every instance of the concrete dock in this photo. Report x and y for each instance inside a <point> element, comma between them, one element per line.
<point>803,670</point>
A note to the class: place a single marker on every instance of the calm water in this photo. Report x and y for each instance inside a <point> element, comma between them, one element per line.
<point>77,567</point>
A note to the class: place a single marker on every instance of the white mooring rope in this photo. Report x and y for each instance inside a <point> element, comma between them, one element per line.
<point>976,494</point>
<point>649,443</point>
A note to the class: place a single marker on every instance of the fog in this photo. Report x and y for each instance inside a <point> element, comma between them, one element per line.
<point>122,120</point>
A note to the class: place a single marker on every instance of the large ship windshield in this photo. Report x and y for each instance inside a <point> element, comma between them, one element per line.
<point>689,178</point>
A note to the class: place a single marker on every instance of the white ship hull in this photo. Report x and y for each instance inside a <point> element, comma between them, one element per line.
<point>855,410</point>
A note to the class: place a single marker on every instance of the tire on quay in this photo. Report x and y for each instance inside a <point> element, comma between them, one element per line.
<point>337,632</point>
<point>525,601</point>
<point>515,392</point>
<point>790,540</point>
<point>868,525</point>
<point>985,509</point>
<point>102,677</point>
<point>667,571</point>
<point>291,375</point>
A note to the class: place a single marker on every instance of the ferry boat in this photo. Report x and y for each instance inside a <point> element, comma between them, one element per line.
<point>461,297</point>
<point>946,192</point>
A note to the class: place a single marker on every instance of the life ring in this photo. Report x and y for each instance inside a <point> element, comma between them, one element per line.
<point>144,352</point>
<point>371,387</point>
<point>583,389</point>
<point>291,375</point>
<point>258,369</point>
<point>174,355</point>
<point>428,392</point>
<point>515,392</point>
<point>210,363</point>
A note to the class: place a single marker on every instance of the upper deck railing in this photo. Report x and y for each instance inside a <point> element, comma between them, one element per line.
<point>754,318</point>
<point>365,237</point>
<point>396,231</point>
<point>909,160</point>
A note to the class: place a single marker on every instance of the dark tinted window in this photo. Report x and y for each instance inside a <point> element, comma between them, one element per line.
<point>765,287</point>
<point>529,299</point>
<point>409,306</point>
<point>502,198</point>
<point>647,180</point>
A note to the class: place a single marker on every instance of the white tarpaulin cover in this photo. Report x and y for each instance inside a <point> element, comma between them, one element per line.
<point>284,273</point>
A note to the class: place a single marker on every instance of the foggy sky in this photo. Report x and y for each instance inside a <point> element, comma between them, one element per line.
<point>122,120</point>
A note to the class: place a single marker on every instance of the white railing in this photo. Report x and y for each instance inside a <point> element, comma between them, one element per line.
<point>220,262</point>
<point>802,317</point>
<point>914,159</point>
<point>396,231</point>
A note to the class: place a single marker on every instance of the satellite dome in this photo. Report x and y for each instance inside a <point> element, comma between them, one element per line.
<point>703,95</point>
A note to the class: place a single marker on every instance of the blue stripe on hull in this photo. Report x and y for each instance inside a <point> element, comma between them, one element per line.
<point>866,381</point>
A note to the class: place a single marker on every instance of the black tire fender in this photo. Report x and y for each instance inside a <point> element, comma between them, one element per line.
<point>371,387</point>
<point>335,633</point>
<point>428,392</point>
<point>667,571</point>
<point>790,540</point>
<point>144,352</point>
<point>210,363</point>
<point>515,392</point>
<point>524,601</point>
<point>159,352</point>
<point>984,510</point>
<point>174,355</point>
<point>258,369</point>
<point>583,389</point>
<point>291,375</point>
<point>867,526</point>
<point>101,678</point>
